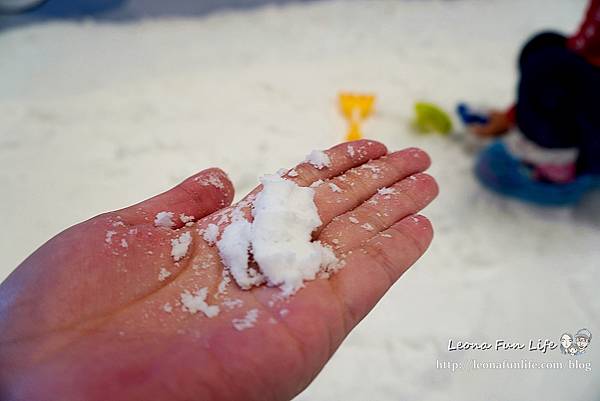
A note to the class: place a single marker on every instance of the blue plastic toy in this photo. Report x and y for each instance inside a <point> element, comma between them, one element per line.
<point>469,116</point>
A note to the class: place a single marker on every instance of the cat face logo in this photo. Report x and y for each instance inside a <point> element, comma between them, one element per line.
<point>575,344</point>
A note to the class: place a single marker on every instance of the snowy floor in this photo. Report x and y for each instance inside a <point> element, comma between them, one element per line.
<point>98,116</point>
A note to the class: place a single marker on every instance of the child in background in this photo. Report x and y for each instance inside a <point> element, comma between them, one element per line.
<point>554,157</point>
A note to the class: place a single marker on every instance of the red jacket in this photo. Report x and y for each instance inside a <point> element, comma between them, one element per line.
<point>586,42</point>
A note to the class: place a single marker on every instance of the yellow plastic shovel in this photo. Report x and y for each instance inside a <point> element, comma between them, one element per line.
<point>355,108</point>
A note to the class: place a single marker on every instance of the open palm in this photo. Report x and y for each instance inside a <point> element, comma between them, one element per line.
<point>96,312</point>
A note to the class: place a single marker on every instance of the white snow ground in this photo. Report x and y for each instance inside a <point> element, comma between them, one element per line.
<point>98,116</point>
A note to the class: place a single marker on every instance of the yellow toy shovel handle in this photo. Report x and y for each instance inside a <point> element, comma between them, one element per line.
<point>355,108</point>
<point>354,133</point>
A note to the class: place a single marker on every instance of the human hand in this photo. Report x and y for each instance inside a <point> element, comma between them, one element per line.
<point>86,316</point>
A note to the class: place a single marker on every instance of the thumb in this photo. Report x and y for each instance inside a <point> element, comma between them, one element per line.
<point>196,197</point>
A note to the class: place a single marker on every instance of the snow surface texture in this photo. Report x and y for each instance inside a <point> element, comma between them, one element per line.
<point>118,113</point>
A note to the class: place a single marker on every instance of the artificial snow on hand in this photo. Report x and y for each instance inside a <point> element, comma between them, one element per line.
<point>279,238</point>
<point>319,159</point>
<point>196,302</point>
<point>164,219</point>
<point>180,245</point>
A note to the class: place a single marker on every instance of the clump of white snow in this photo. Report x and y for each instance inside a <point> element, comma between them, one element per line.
<point>187,220</point>
<point>279,238</point>
<point>210,233</point>
<point>197,303</point>
<point>285,216</point>
<point>164,219</point>
<point>180,245</point>
<point>234,248</point>
<point>163,274</point>
<point>319,159</point>
<point>247,321</point>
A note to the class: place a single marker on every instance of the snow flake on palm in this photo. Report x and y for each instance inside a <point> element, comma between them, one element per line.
<point>278,239</point>
<point>163,274</point>
<point>210,233</point>
<point>196,302</point>
<point>180,245</point>
<point>188,221</point>
<point>319,159</point>
<point>164,219</point>
<point>247,321</point>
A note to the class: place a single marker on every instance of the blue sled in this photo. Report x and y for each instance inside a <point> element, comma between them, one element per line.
<point>501,172</point>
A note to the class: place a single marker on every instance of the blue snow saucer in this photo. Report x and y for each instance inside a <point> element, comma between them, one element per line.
<point>501,172</point>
